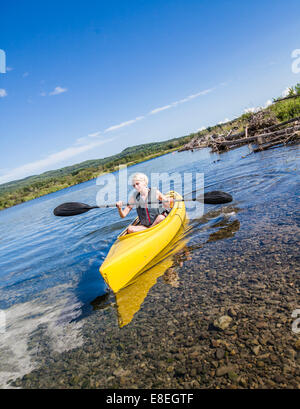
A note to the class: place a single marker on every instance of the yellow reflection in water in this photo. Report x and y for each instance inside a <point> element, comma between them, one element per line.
<point>130,298</point>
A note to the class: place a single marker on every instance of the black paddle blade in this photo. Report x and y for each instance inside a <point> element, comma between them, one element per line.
<point>72,208</point>
<point>217,197</point>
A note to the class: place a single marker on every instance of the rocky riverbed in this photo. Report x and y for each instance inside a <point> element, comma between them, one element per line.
<point>227,323</point>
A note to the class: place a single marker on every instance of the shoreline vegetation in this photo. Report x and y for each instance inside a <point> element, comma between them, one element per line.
<point>283,112</point>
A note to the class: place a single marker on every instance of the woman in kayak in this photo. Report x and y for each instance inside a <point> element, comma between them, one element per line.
<point>148,204</point>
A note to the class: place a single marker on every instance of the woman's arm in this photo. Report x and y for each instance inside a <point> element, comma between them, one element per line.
<point>123,213</point>
<point>168,202</point>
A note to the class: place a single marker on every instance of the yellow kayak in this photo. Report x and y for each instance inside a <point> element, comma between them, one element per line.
<point>132,252</point>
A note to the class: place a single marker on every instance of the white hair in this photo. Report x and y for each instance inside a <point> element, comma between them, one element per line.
<point>141,177</point>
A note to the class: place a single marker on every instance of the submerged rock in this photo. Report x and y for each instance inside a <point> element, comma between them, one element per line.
<point>297,344</point>
<point>223,322</point>
<point>223,370</point>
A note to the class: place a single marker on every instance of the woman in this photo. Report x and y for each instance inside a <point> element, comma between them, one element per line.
<point>148,206</point>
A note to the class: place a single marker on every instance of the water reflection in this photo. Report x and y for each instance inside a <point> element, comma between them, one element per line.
<point>229,230</point>
<point>167,264</point>
<point>130,298</point>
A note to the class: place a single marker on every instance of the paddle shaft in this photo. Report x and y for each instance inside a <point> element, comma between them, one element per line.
<point>149,203</point>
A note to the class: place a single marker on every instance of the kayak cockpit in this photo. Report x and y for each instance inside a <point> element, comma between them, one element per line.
<point>136,222</point>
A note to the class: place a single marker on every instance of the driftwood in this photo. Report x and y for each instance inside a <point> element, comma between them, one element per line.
<point>271,128</point>
<point>229,133</point>
<point>278,141</point>
<point>255,137</point>
<point>280,124</point>
<point>261,120</point>
<point>263,129</point>
<point>260,139</point>
<point>235,136</point>
<point>236,141</point>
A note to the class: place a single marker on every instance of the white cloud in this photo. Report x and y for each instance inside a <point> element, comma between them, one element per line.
<point>181,101</point>
<point>200,129</point>
<point>285,92</point>
<point>251,110</point>
<point>268,103</point>
<point>3,93</point>
<point>91,136</point>
<point>156,110</point>
<point>9,69</point>
<point>58,90</point>
<point>224,122</point>
<point>43,164</point>
<point>81,140</point>
<point>25,74</point>
<point>98,134</point>
<point>121,125</point>
<point>94,135</point>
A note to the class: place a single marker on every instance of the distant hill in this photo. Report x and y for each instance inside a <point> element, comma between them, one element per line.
<point>21,190</point>
<point>128,154</point>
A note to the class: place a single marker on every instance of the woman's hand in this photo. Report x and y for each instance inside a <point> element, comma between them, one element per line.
<point>168,203</point>
<point>119,205</point>
<point>123,213</point>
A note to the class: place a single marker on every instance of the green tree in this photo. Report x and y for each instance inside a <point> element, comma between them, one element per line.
<point>291,92</point>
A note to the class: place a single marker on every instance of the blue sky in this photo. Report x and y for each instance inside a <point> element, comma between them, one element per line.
<point>87,79</point>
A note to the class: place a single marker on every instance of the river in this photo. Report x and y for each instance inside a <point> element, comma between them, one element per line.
<point>62,327</point>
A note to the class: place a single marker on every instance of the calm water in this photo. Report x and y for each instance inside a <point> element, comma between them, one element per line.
<point>49,266</point>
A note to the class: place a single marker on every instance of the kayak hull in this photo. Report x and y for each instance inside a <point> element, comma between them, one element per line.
<point>132,252</point>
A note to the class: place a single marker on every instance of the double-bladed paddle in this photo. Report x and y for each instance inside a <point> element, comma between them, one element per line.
<point>73,208</point>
